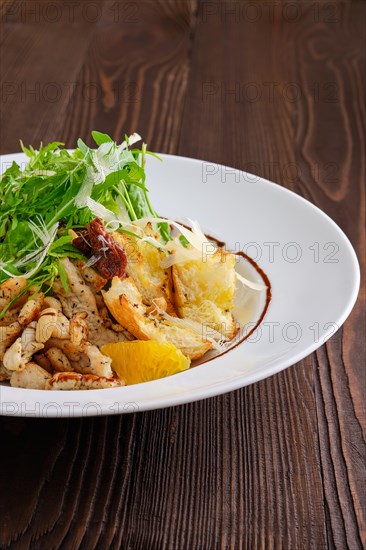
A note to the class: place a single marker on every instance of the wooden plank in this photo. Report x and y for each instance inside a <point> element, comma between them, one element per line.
<point>138,65</point>
<point>277,464</point>
<point>78,475</point>
<point>41,55</point>
<point>290,108</point>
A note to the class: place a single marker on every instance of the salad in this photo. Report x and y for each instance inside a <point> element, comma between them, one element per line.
<point>96,289</point>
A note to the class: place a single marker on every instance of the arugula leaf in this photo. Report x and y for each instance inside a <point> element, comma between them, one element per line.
<point>63,277</point>
<point>57,191</point>
<point>100,138</point>
<point>82,146</point>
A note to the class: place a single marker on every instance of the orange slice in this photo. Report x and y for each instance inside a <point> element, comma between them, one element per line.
<point>145,360</point>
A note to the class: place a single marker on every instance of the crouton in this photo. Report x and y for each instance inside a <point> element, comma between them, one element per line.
<point>205,289</point>
<point>143,266</point>
<point>125,303</point>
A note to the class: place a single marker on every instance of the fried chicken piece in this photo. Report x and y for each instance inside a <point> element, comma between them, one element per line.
<point>10,289</point>
<point>76,381</point>
<point>21,351</point>
<point>32,377</point>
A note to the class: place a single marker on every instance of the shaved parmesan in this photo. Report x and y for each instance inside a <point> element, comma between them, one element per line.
<point>197,239</point>
<point>93,260</point>
<point>122,211</point>
<point>195,236</point>
<point>250,284</point>
<point>197,230</point>
<point>39,255</point>
<point>100,211</point>
<point>85,189</point>
<point>181,256</point>
<point>134,138</point>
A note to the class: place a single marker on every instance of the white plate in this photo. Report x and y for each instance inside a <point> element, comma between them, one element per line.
<point>310,262</point>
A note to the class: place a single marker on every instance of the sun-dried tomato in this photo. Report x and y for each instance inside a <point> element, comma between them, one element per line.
<point>82,243</point>
<point>96,242</point>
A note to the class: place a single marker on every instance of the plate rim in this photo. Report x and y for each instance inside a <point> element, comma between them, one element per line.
<point>187,396</point>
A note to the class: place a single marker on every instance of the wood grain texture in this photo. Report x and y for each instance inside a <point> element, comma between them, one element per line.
<point>279,464</point>
<point>302,123</point>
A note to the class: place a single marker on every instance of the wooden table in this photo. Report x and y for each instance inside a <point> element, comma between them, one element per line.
<point>272,87</point>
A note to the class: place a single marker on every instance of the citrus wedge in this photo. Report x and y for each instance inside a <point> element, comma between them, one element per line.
<point>145,360</point>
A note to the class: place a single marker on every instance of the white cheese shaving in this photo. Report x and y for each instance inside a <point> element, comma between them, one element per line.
<point>134,138</point>
<point>250,284</point>
<point>86,188</point>
<point>197,239</point>
<point>100,211</point>
<point>181,255</point>
<point>47,236</point>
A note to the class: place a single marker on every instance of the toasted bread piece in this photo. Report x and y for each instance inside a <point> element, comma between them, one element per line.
<point>125,303</point>
<point>143,266</point>
<point>205,289</point>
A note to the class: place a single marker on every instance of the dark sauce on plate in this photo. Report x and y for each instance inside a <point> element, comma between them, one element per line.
<point>268,285</point>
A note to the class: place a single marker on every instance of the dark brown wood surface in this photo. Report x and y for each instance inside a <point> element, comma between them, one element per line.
<point>276,88</point>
